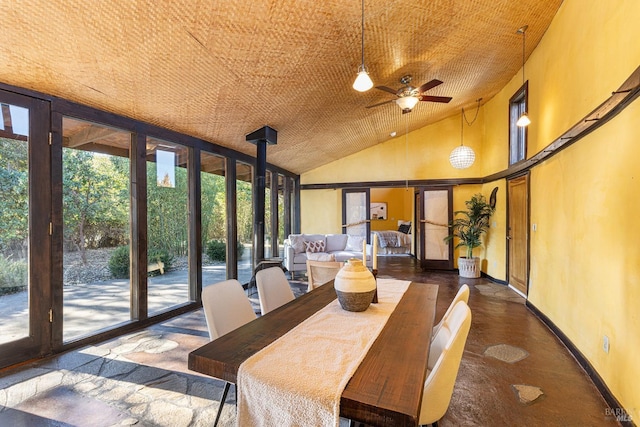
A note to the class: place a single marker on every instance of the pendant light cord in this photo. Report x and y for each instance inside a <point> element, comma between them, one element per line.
<point>523,52</point>
<point>463,118</point>
<point>362,35</point>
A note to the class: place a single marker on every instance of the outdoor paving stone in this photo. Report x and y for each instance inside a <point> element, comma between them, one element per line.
<point>129,422</point>
<point>167,414</point>
<point>161,346</point>
<point>116,367</point>
<point>139,409</point>
<point>506,353</point>
<point>117,394</point>
<point>48,381</point>
<point>71,361</point>
<point>527,394</point>
<point>125,348</point>
<point>168,387</point>
<point>85,386</point>
<point>204,390</point>
<point>144,375</point>
<point>21,376</point>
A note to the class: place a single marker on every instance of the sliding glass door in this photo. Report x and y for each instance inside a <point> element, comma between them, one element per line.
<point>25,227</point>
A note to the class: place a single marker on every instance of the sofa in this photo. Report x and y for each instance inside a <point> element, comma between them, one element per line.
<point>322,247</point>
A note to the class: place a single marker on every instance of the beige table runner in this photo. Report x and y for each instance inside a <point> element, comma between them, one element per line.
<point>299,378</point>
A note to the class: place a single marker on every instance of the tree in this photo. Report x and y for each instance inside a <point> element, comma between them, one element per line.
<point>95,199</point>
<point>14,192</point>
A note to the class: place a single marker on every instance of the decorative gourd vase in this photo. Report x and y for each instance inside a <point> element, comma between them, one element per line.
<point>355,286</point>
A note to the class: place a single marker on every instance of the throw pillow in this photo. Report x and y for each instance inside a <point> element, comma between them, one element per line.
<point>404,228</point>
<point>297,243</point>
<point>336,242</point>
<point>354,243</point>
<point>314,246</point>
<point>320,256</point>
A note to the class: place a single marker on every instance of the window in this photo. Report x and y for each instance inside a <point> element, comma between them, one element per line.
<point>518,135</point>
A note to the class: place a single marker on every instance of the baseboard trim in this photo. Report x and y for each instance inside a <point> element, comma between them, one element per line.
<point>618,411</point>
<point>493,279</point>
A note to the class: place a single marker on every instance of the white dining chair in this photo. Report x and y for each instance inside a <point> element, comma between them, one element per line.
<point>447,348</point>
<point>226,307</point>
<point>321,272</point>
<point>462,295</point>
<point>273,289</point>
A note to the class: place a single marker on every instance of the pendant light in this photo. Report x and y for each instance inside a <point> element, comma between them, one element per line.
<point>363,82</point>
<point>463,157</point>
<point>523,120</point>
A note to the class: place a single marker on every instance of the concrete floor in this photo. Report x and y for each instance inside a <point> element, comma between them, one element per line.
<point>514,372</point>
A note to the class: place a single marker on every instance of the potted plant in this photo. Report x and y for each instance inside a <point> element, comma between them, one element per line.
<point>468,229</point>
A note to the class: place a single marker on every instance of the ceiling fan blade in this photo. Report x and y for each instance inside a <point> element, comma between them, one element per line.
<point>380,103</point>
<point>429,85</point>
<point>443,99</point>
<point>406,110</point>
<point>387,89</point>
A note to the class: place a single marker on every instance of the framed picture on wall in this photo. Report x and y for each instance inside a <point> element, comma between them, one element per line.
<point>379,210</point>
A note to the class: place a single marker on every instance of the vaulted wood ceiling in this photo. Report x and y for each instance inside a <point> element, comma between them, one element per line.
<point>218,70</point>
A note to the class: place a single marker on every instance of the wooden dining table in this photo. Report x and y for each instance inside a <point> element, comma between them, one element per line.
<point>385,390</point>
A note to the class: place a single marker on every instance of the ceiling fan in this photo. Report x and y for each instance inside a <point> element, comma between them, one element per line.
<point>408,96</point>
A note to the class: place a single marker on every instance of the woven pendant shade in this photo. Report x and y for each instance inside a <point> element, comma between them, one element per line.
<point>462,157</point>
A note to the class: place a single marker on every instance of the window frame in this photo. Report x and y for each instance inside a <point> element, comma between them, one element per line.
<point>518,136</point>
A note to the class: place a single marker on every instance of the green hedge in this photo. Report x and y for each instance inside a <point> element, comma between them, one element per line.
<point>119,261</point>
<point>13,276</point>
<point>216,250</point>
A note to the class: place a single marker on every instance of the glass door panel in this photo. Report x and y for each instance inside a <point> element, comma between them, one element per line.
<point>25,215</point>
<point>435,216</point>
<point>213,199</point>
<point>167,225</point>
<point>355,213</point>
<point>96,213</point>
<point>244,200</point>
<point>14,223</point>
<point>268,217</point>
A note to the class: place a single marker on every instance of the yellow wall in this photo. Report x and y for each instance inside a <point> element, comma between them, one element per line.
<point>399,206</point>
<point>423,155</point>
<point>585,259</point>
<point>585,256</point>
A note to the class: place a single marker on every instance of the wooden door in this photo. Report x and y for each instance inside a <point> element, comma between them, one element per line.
<point>518,233</point>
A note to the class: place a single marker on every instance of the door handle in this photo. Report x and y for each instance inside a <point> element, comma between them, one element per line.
<point>508,237</point>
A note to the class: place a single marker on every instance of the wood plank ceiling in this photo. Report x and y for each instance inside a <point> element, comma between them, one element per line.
<point>218,70</point>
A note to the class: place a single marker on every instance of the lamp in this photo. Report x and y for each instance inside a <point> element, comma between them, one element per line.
<point>363,82</point>
<point>463,157</point>
<point>523,120</point>
<point>407,102</point>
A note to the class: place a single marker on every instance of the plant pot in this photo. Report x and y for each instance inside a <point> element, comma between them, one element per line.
<point>469,267</point>
<point>355,286</point>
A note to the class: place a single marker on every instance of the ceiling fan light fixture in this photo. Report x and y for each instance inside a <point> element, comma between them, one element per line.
<point>407,102</point>
<point>524,120</point>
<point>363,82</point>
